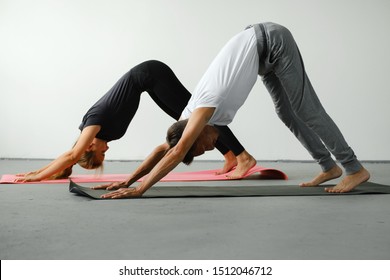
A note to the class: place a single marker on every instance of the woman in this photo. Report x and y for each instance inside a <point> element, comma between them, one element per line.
<point>109,118</point>
<point>268,50</point>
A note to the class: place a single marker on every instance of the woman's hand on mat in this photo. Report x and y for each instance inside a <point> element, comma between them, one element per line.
<point>27,177</point>
<point>25,174</point>
<point>112,186</point>
<point>123,193</point>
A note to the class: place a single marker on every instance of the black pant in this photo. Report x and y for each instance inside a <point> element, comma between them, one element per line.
<point>172,97</point>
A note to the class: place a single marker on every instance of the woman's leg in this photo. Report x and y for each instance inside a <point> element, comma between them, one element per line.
<point>172,97</point>
<point>163,87</point>
<point>237,157</point>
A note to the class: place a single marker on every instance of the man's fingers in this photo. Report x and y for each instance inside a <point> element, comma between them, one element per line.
<point>106,187</point>
<point>114,187</point>
<point>112,194</point>
<point>99,187</point>
<point>121,193</point>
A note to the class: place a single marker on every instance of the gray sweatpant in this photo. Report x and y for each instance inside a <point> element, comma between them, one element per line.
<point>296,103</point>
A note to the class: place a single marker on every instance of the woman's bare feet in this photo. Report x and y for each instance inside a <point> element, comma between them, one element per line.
<point>230,163</point>
<point>350,182</point>
<point>333,173</point>
<point>244,162</point>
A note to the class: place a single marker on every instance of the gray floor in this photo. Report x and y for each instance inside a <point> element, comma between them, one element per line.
<point>47,222</point>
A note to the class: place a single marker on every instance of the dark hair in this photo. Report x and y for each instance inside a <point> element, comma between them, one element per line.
<point>174,134</point>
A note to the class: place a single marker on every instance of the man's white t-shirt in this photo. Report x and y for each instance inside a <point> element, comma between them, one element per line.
<point>229,79</point>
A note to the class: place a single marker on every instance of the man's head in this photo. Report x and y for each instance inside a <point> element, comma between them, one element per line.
<point>205,141</point>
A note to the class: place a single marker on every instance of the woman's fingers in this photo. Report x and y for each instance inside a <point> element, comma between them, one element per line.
<point>26,178</point>
<point>20,180</point>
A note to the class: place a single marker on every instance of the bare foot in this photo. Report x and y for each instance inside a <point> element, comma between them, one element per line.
<point>350,182</point>
<point>226,168</point>
<point>333,173</point>
<point>244,162</point>
<point>230,163</point>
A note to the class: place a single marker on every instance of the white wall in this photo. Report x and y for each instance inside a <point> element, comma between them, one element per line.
<point>58,57</point>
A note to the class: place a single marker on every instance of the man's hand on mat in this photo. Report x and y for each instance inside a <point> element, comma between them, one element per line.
<point>123,193</point>
<point>112,186</point>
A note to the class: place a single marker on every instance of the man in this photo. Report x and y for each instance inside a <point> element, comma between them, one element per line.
<point>268,50</point>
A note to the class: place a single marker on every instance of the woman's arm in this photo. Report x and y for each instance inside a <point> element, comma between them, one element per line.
<point>145,167</point>
<point>65,160</point>
<point>172,158</point>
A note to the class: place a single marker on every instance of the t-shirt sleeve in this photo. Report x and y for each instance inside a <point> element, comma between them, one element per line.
<point>89,120</point>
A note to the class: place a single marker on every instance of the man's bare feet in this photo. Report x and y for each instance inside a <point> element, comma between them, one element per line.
<point>230,163</point>
<point>244,162</point>
<point>350,182</point>
<point>333,173</point>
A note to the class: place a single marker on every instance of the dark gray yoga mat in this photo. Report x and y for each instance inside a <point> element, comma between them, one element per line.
<point>235,191</point>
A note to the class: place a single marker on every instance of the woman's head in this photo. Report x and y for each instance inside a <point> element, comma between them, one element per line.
<point>205,141</point>
<point>95,154</point>
<point>92,158</point>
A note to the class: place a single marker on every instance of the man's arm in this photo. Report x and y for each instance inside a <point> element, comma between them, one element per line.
<point>145,167</point>
<point>173,157</point>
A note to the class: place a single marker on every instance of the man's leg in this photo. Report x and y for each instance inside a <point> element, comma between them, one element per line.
<point>304,134</point>
<point>305,103</point>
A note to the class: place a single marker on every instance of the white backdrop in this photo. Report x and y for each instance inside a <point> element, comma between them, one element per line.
<point>58,57</point>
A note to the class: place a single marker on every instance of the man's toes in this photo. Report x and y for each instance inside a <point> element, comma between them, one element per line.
<point>331,190</point>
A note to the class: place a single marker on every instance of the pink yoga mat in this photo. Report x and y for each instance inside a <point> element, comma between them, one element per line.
<point>207,175</point>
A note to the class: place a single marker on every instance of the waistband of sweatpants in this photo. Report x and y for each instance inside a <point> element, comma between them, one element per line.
<point>262,48</point>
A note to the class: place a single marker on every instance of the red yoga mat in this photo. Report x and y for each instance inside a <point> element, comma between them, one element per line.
<point>207,175</point>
